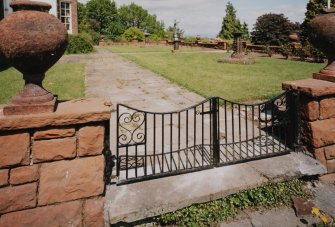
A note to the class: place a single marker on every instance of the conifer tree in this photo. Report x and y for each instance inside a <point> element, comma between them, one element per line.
<point>230,23</point>
<point>245,30</point>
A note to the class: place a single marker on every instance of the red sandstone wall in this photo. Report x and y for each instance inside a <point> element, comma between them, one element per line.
<point>317,103</point>
<point>319,129</point>
<point>54,175</point>
<point>74,17</point>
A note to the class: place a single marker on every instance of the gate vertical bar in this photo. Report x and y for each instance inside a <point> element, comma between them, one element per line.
<point>215,133</point>
<point>292,131</point>
<point>117,143</point>
<point>145,146</point>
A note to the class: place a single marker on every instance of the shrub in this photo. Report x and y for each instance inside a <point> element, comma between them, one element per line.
<point>287,50</point>
<point>90,27</point>
<point>190,39</point>
<point>133,33</point>
<point>317,55</point>
<point>155,38</point>
<point>79,44</point>
<point>205,40</point>
<point>87,37</point>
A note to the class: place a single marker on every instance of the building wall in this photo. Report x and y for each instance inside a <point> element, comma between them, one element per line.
<point>53,4</point>
<point>53,11</point>
<point>2,10</point>
<point>7,8</point>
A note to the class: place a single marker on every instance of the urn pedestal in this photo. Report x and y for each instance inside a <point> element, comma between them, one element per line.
<point>32,41</point>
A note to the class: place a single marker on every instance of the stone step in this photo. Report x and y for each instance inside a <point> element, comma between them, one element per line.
<point>133,202</point>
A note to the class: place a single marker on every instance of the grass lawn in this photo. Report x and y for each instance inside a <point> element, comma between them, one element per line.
<point>200,72</point>
<point>148,49</point>
<point>65,80</point>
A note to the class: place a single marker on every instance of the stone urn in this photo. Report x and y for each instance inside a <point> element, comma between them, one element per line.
<point>32,40</point>
<point>294,40</point>
<point>293,37</point>
<point>322,37</point>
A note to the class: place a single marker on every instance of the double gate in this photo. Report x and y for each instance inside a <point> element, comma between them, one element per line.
<point>212,133</point>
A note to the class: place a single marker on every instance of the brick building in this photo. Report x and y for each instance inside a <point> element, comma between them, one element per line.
<point>64,10</point>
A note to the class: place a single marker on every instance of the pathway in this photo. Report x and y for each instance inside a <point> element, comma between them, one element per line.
<point>110,76</point>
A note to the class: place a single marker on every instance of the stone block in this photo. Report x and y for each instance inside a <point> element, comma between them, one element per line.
<point>331,166</point>
<point>94,212</point>
<point>328,179</point>
<point>327,108</point>
<point>17,198</point>
<point>24,174</point>
<point>330,152</point>
<point>320,156</point>
<point>91,140</point>
<point>64,214</point>
<point>311,87</point>
<point>52,150</point>
<point>322,132</point>
<point>68,113</point>
<point>69,180</point>
<point>4,177</point>
<point>54,133</point>
<point>301,206</point>
<point>14,149</point>
<point>309,108</point>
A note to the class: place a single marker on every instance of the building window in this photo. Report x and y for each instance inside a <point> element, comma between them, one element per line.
<point>64,13</point>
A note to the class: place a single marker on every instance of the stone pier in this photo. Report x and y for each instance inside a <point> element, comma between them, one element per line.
<point>317,121</point>
<point>52,166</point>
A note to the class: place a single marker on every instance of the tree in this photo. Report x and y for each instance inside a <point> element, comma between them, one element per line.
<point>133,15</point>
<point>230,23</point>
<point>245,31</point>
<point>81,11</point>
<point>114,30</point>
<point>153,26</point>
<point>272,29</point>
<point>169,32</point>
<point>103,11</point>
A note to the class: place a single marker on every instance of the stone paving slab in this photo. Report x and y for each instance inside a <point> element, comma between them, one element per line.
<point>294,165</point>
<point>325,198</point>
<point>132,202</point>
<point>128,203</point>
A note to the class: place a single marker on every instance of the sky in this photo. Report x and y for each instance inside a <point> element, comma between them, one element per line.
<point>204,17</point>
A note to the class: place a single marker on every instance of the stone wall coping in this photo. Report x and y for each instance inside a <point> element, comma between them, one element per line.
<point>311,87</point>
<point>78,111</point>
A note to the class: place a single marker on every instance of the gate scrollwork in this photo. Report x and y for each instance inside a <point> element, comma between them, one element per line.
<point>131,128</point>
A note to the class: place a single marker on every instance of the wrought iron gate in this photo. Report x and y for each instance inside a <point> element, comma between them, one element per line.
<point>212,133</point>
